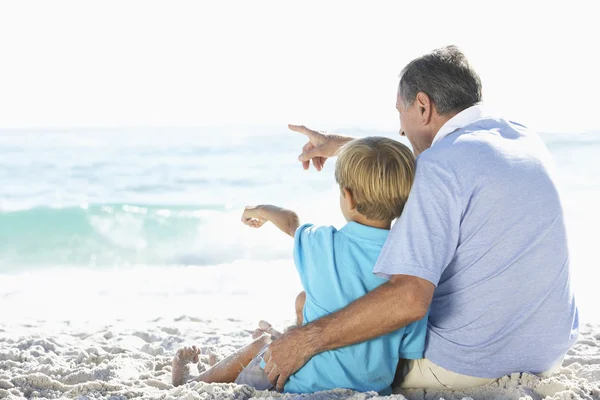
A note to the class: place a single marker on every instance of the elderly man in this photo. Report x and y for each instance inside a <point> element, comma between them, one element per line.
<point>481,244</point>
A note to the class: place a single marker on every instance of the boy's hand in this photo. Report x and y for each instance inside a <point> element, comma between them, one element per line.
<point>285,220</point>
<point>252,217</point>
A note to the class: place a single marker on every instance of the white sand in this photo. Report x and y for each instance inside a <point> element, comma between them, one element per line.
<point>133,360</point>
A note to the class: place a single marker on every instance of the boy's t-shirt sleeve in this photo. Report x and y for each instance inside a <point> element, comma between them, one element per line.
<point>313,257</point>
<point>302,239</point>
<point>412,345</point>
<point>424,239</point>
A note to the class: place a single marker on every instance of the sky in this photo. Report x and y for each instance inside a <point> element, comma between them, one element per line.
<point>323,64</point>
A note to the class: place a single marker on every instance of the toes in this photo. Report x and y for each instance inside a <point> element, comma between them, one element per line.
<point>257,333</point>
<point>188,354</point>
<point>268,328</point>
<point>180,354</point>
<point>197,353</point>
<point>264,325</point>
<point>212,359</point>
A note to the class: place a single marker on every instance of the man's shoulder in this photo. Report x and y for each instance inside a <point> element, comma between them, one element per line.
<point>469,143</point>
<point>466,156</point>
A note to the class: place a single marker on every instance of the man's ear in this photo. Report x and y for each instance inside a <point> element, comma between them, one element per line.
<point>425,107</point>
<point>349,198</point>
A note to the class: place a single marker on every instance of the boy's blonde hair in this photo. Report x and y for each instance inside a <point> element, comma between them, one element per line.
<point>379,173</point>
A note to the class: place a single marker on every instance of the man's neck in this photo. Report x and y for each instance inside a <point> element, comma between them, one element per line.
<point>438,121</point>
<point>361,219</point>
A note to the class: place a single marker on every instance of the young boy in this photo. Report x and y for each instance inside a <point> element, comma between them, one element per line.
<point>335,267</point>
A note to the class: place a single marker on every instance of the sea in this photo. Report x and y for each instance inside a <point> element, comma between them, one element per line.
<point>124,223</point>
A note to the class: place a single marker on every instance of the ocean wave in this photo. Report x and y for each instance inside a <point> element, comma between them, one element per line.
<point>117,234</point>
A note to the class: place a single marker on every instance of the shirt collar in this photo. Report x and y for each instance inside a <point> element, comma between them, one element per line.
<point>460,120</point>
<point>360,231</point>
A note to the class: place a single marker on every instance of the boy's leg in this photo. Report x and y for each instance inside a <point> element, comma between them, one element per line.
<point>300,300</point>
<point>225,371</point>
<point>228,369</point>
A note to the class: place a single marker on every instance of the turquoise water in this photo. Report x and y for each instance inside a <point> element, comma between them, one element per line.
<point>173,196</point>
<point>140,197</point>
<point>155,199</point>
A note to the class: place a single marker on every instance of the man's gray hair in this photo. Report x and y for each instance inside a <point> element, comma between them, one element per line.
<point>445,76</point>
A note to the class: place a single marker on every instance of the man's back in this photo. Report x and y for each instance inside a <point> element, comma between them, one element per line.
<point>497,251</point>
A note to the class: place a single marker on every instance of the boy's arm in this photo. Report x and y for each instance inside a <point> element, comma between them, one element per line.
<point>286,220</point>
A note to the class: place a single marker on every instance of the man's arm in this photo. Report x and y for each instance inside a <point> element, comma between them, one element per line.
<point>393,305</point>
<point>402,300</point>
<point>286,220</point>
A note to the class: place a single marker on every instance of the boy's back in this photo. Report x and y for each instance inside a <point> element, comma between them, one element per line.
<point>374,175</point>
<point>335,268</point>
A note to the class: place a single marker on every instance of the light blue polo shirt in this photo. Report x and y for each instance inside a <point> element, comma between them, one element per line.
<point>484,223</point>
<point>336,268</point>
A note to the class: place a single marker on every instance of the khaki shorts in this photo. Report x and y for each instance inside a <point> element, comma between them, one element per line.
<point>423,374</point>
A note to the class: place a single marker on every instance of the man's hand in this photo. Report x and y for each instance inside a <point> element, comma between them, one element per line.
<point>253,217</point>
<point>319,147</point>
<point>398,302</point>
<point>285,356</point>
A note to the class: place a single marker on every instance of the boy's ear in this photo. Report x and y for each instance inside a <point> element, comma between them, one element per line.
<point>349,199</point>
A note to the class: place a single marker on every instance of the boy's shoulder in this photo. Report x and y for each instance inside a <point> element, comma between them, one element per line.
<point>311,235</point>
<point>313,231</point>
<point>313,257</point>
<point>313,238</point>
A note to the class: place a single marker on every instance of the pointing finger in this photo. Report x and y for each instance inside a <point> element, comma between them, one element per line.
<point>303,130</point>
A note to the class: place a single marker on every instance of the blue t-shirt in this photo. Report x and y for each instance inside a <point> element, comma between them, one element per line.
<point>484,223</point>
<point>336,268</point>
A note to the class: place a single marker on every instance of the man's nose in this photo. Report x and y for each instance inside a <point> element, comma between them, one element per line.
<point>402,133</point>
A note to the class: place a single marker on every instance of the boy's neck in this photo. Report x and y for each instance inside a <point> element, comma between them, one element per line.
<point>361,219</point>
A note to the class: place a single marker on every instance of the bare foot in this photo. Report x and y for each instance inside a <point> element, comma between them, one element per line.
<point>212,359</point>
<point>266,327</point>
<point>257,333</point>
<point>180,367</point>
